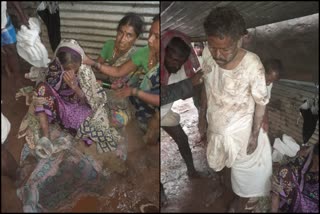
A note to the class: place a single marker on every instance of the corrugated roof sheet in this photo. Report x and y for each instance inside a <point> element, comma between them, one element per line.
<point>188,17</point>
<point>91,23</point>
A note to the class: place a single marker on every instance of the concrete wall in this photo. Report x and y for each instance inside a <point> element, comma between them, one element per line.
<point>295,42</point>
<point>286,98</point>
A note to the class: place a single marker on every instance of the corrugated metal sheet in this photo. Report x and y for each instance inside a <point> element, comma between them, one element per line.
<point>91,23</point>
<point>283,108</point>
<point>188,17</point>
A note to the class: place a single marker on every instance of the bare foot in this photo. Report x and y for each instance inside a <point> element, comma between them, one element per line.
<point>215,195</point>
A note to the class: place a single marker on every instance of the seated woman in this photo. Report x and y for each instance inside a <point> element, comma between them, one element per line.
<point>72,97</point>
<point>296,185</point>
<point>117,52</point>
<point>145,97</point>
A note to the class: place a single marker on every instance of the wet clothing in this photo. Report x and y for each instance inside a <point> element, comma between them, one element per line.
<point>232,96</point>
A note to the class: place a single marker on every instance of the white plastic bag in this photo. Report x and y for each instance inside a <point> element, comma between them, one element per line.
<point>29,45</point>
<point>287,146</point>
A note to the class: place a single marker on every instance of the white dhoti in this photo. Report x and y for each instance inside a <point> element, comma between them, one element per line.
<point>232,95</point>
<point>250,174</point>
<point>225,145</point>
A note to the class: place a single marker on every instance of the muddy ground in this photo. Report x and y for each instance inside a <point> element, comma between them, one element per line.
<point>184,194</point>
<point>130,184</point>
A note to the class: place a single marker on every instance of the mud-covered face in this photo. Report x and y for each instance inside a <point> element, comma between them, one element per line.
<point>223,50</point>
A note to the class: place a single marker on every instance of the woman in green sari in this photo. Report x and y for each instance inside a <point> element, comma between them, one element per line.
<point>145,97</point>
<point>119,51</point>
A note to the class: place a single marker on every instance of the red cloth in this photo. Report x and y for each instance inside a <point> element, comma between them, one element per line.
<point>189,66</point>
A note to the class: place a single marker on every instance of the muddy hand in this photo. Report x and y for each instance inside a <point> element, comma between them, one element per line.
<point>197,78</point>
<point>252,144</point>
<point>265,126</point>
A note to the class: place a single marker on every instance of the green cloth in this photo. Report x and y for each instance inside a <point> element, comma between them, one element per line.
<point>107,50</point>
<point>141,58</point>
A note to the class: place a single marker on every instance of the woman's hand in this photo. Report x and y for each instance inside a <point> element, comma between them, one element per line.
<point>124,92</point>
<point>70,78</point>
<point>99,82</point>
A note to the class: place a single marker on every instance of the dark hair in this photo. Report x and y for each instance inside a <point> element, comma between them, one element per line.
<point>156,18</point>
<point>225,21</point>
<point>199,44</point>
<point>274,65</point>
<point>178,47</point>
<point>134,20</point>
<point>67,58</point>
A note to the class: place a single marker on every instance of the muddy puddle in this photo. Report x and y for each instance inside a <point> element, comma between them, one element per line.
<point>130,184</point>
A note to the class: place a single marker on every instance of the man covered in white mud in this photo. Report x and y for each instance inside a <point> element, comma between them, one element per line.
<point>237,96</point>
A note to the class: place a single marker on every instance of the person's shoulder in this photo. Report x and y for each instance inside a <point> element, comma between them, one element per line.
<point>252,59</point>
<point>252,56</point>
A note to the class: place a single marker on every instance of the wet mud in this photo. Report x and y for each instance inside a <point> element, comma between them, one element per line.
<point>131,183</point>
<point>183,193</point>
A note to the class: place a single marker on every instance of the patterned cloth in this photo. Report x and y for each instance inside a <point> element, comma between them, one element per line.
<point>299,192</point>
<point>58,182</point>
<point>192,62</point>
<point>150,84</point>
<point>64,108</point>
<point>89,117</point>
<point>59,101</point>
<point>98,126</point>
<point>120,111</point>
